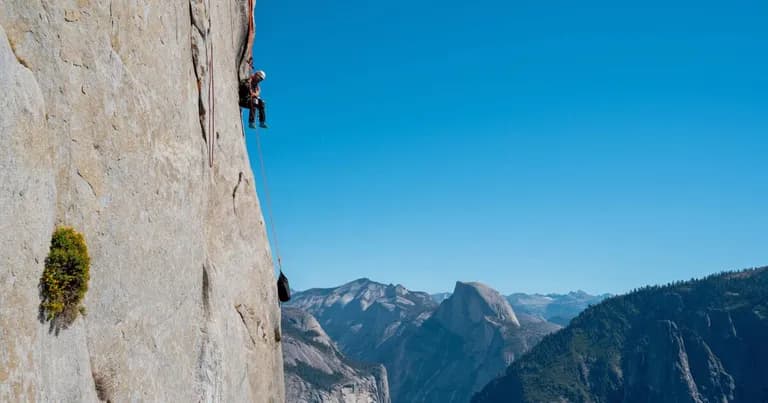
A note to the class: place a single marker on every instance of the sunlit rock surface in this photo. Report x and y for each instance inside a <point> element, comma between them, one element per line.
<point>121,120</point>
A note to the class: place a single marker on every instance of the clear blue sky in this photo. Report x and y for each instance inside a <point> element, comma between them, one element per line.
<point>533,146</point>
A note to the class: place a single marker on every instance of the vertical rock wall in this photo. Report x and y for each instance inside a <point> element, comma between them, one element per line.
<point>120,118</point>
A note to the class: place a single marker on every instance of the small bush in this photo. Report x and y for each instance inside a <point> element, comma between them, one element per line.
<point>65,278</point>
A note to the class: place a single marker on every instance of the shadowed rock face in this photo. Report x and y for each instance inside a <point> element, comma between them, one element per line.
<point>107,125</point>
<point>699,341</point>
<point>432,353</point>
<point>317,372</point>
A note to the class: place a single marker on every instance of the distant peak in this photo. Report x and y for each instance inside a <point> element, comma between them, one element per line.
<point>475,302</point>
<point>364,282</point>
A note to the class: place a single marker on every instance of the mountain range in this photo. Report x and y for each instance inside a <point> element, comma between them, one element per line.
<point>433,352</point>
<point>698,341</point>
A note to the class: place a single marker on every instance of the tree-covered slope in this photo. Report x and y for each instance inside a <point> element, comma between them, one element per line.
<point>696,341</point>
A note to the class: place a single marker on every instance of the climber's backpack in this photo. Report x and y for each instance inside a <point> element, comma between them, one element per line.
<point>283,288</point>
<point>244,93</point>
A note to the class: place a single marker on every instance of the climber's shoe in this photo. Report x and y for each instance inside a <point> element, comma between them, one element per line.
<point>251,125</point>
<point>262,125</point>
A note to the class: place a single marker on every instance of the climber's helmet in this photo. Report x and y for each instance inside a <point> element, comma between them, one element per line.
<point>260,74</point>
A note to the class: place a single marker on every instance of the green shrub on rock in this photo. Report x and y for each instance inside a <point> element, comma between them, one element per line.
<point>65,278</point>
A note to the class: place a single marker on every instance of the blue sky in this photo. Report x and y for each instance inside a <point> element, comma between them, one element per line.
<point>533,146</point>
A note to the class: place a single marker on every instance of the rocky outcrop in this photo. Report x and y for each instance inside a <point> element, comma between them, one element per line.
<point>471,338</point>
<point>473,304</point>
<point>700,341</point>
<point>432,353</point>
<point>110,117</point>
<point>316,372</point>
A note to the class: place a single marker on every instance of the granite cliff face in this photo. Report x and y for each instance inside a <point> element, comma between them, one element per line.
<point>121,120</point>
<point>317,372</point>
<point>698,341</point>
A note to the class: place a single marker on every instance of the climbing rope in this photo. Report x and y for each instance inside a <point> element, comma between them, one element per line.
<point>268,199</point>
<point>212,106</point>
<point>211,94</point>
<point>245,51</point>
<point>267,195</point>
<point>251,31</point>
<point>251,35</point>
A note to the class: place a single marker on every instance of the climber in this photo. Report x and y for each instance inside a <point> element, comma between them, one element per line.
<point>250,98</point>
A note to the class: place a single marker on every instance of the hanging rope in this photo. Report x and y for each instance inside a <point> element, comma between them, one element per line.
<point>268,199</point>
<point>245,52</point>
<point>211,93</point>
<point>251,35</point>
<point>251,31</point>
<point>212,106</point>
